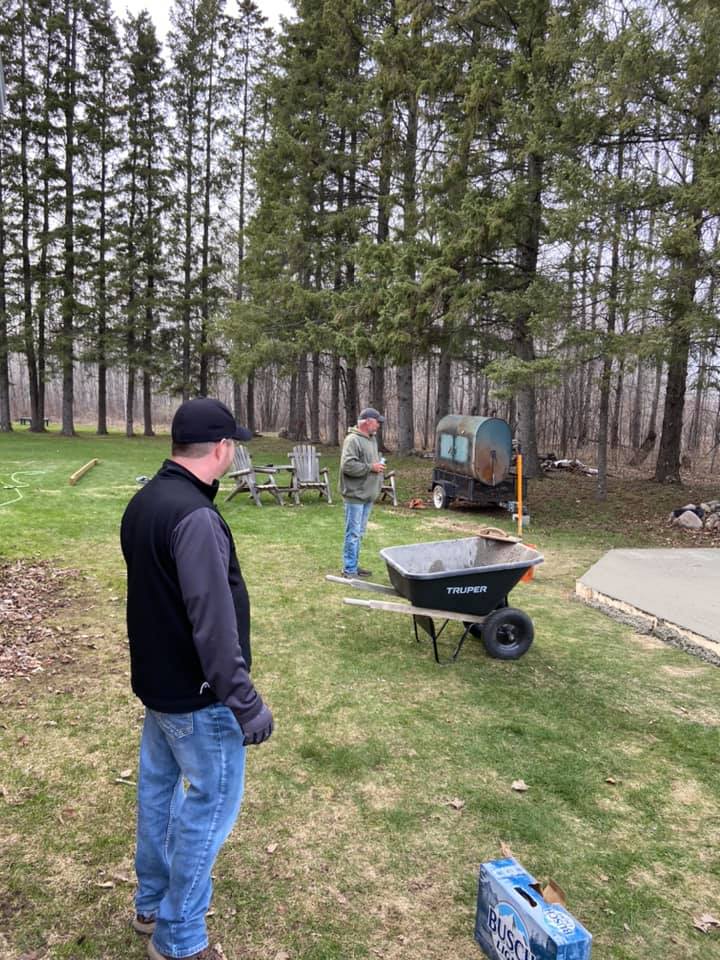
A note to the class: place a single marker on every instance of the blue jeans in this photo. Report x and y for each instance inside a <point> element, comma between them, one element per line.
<point>356,518</point>
<point>190,786</point>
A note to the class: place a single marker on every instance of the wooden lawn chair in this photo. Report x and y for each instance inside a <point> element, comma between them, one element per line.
<point>388,488</point>
<point>245,476</point>
<point>307,473</point>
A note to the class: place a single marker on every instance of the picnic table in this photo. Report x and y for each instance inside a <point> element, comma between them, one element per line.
<point>26,421</point>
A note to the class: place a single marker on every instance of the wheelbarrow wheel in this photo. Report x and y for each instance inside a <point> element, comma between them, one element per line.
<point>507,633</point>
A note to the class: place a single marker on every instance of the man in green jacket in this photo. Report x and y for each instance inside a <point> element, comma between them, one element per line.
<point>361,476</point>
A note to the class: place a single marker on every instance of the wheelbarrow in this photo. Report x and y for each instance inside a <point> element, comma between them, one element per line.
<point>466,580</point>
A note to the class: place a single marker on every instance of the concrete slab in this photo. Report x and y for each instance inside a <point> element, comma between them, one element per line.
<point>674,594</point>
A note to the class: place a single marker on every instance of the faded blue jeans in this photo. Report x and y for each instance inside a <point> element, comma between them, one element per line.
<point>190,787</point>
<point>356,519</point>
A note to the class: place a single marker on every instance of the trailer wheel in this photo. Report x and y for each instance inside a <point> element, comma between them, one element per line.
<point>507,633</point>
<point>440,498</point>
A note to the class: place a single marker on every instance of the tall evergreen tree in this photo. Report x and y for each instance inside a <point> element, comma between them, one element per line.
<point>5,417</point>
<point>199,45</point>
<point>72,28</point>
<point>691,96</point>
<point>144,175</point>
<point>103,139</point>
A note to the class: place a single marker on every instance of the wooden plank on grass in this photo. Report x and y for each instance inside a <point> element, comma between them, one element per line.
<point>82,471</point>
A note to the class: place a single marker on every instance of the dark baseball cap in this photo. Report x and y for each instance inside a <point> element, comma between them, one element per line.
<point>204,420</point>
<point>370,413</point>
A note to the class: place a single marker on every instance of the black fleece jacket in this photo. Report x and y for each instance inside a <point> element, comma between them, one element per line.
<point>188,611</point>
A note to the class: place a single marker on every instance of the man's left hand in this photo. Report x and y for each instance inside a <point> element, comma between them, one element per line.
<point>258,729</point>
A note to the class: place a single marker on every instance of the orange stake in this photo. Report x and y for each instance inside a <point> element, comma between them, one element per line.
<point>519,497</point>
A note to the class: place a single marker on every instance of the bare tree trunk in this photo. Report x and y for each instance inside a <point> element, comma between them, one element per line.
<point>652,425</point>
<point>351,395</point>
<point>667,469</point>
<point>147,404</point>
<point>292,406</point>
<point>130,401</point>
<point>238,404</point>
<point>315,402</point>
<point>251,425</point>
<point>693,440</point>
<point>716,437</point>
<point>377,396</point>
<point>297,427</point>
<point>426,429</point>
<point>644,450</point>
<point>444,374</point>
<point>565,417</point>
<point>406,419</point>
<point>617,407</point>
<point>333,437</point>
<point>602,446</point>
<point>636,416</point>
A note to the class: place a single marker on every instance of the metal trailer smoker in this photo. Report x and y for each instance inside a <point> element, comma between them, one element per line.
<point>466,580</point>
<point>473,462</point>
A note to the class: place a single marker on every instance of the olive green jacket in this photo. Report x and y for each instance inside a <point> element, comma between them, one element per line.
<point>357,481</point>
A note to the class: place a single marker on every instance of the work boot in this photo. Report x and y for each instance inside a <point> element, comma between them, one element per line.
<point>362,572</point>
<point>209,953</point>
<point>143,924</point>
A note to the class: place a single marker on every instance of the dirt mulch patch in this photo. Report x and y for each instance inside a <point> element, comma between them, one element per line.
<point>31,594</point>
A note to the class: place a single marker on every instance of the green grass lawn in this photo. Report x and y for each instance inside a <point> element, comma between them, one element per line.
<point>388,780</point>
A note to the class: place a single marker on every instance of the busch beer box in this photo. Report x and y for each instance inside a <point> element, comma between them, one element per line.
<point>514,922</point>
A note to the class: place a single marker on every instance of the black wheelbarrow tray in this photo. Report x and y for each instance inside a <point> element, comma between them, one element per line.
<point>466,580</point>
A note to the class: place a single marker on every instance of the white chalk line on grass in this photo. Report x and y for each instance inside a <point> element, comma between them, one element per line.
<point>18,485</point>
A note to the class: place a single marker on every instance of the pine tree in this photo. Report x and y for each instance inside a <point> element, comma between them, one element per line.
<point>72,28</point>
<point>102,136</point>
<point>691,97</point>
<point>5,418</point>
<point>146,196</point>
<point>199,44</point>
<point>19,45</point>
<point>250,56</point>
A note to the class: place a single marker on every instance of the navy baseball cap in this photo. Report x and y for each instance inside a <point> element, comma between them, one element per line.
<point>370,413</point>
<point>204,420</point>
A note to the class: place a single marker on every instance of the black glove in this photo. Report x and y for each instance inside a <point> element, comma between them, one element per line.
<point>258,729</point>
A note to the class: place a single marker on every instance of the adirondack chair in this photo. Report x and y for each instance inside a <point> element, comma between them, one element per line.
<point>307,473</point>
<point>245,476</point>
<point>388,487</point>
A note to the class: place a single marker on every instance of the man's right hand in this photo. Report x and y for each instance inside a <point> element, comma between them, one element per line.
<point>378,467</point>
<point>258,729</point>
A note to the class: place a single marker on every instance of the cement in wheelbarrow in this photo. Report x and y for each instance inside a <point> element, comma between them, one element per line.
<point>671,593</point>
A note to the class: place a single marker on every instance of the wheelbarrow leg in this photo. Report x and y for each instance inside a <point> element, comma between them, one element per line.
<point>428,625</point>
<point>458,648</point>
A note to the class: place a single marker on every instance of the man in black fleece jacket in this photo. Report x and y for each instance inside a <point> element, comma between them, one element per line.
<point>188,618</point>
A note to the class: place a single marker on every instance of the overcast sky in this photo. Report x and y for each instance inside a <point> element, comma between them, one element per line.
<point>160,10</point>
